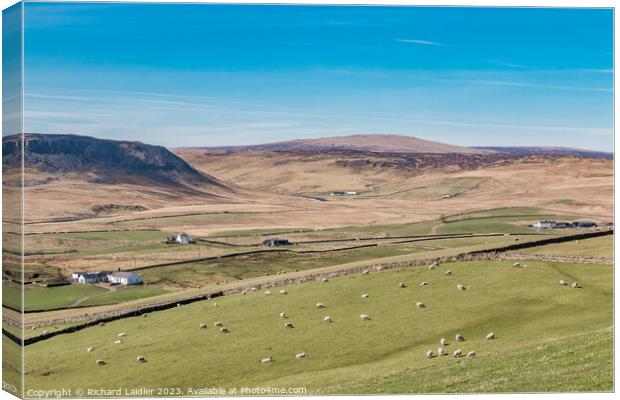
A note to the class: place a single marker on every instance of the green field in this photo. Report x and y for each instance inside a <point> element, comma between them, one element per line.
<point>549,337</point>
<point>11,366</point>
<point>41,298</point>
<point>500,220</point>
<point>242,267</point>
<point>123,294</point>
<point>594,247</point>
<point>96,243</point>
<point>450,186</point>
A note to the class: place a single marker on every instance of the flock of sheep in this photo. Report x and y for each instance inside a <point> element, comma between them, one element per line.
<point>458,352</point>
<point>328,319</point>
<point>365,317</point>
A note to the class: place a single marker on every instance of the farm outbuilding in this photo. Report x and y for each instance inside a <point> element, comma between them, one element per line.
<point>90,277</point>
<point>181,238</point>
<point>124,278</point>
<point>276,242</point>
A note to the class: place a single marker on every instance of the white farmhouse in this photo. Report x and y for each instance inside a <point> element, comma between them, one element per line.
<point>89,277</point>
<point>124,278</point>
<point>545,224</point>
<point>184,238</point>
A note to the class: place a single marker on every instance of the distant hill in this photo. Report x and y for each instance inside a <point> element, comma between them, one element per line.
<point>104,161</point>
<point>369,143</point>
<point>558,151</point>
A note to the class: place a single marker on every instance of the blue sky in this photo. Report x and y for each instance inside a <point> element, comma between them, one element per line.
<point>207,75</point>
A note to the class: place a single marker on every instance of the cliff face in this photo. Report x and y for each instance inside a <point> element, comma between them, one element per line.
<point>103,161</point>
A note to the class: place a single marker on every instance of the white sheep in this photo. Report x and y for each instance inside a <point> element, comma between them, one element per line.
<point>459,338</point>
<point>140,359</point>
<point>516,265</point>
<point>224,329</point>
<point>218,324</point>
<point>563,282</point>
<point>364,317</point>
<point>267,293</point>
<point>203,326</point>
<point>328,319</point>
<point>443,341</point>
<point>118,341</point>
<point>457,353</point>
<point>301,355</point>
<point>122,334</point>
<point>214,304</point>
<point>283,315</point>
<point>144,315</point>
<point>325,280</point>
<point>45,332</point>
<point>460,287</point>
<point>423,283</point>
<point>365,272</point>
<point>320,305</point>
<point>402,285</point>
<point>91,348</point>
<point>420,305</point>
<point>432,266</point>
<point>365,296</point>
<point>254,289</point>
<point>575,285</point>
<point>266,360</point>
<point>491,336</point>
<point>244,292</point>
<point>100,362</point>
<point>429,354</point>
<point>471,354</point>
<point>288,325</point>
<point>283,291</point>
<point>441,352</point>
<point>448,272</point>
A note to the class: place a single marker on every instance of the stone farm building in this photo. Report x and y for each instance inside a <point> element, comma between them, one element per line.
<point>181,238</point>
<point>347,193</point>
<point>547,224</point>
<point>276,242</point>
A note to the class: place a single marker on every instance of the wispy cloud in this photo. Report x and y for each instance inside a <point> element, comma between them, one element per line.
<point>508,64</point>
<point>542,86</point>
<point>419,41</point>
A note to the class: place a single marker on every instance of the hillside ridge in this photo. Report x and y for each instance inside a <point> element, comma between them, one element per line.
<point>103,160</point>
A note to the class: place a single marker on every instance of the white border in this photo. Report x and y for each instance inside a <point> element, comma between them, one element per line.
<point>471,3</point>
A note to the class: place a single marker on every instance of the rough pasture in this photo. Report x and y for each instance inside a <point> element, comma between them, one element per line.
<point>532,316</point>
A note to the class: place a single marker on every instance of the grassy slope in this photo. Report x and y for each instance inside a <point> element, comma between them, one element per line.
<point>270,263</point>
<point>595,247</point>
<point>450,186</point>
<point>384,354</point>
<point>124,294</point>
<point>38,298</point>
<point>505,220</point>
<point>11,364</point>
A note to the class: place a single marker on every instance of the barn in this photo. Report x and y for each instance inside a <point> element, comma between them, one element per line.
<point>124,278</point>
